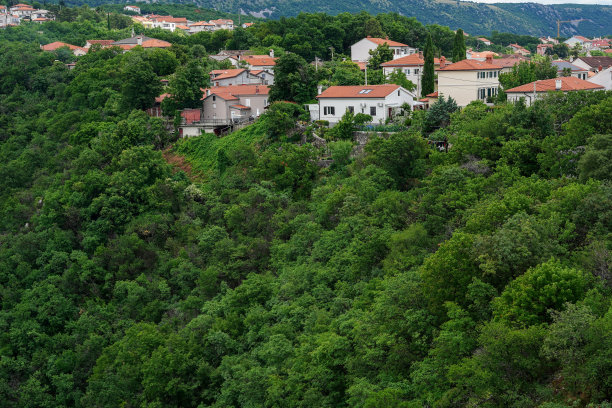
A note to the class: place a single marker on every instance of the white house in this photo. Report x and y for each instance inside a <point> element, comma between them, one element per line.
<point>578,39</point>
<point>223,24</point>
<point>240,76</point>
<point>379,101</point>
<point>603,78</point>
<point>594,64</point>
<point>411,66</point>
<point>485,41</point>
<point>536,90</point>
<point>360,51</point>
<point>201,26</point>
<point>469,80</point>
<point>134,9</point>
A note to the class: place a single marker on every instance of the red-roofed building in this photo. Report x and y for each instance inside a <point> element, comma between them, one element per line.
<point>469,80</point>
<point>201,26</point>
<point>134,9</point>
<point>535,90</point>
<point>480,56</point>
<point>485,41</point>
<point>541,48</point>
<point>247,25</point>
<point>223,105</point>
<point>223,24</point>
<point>379,101</point>
<point>240,76</point>
<point>411,66</point>
<point>102,43</point>
<point>78,51</point>
<point>260,61</point>
<point>517,49</point>
<point>360,51</point>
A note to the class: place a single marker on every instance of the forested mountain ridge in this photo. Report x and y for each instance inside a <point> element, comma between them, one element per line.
<point>399,277</point>
<point>473,18</point>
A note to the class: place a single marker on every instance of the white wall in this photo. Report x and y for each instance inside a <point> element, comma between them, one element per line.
<point>241,79</point>
<point>411,76</point>
<point>604,78</point>
<point>360,50</point>
<point>463,86</point>
<point>382,106</point>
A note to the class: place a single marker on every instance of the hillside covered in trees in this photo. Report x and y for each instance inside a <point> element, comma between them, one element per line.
<point>474,18</point>
<point>138,270</point>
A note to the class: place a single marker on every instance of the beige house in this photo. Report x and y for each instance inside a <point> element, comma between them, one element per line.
<point>240,76</point>
<point>469,80</point>
<point>223,105</point>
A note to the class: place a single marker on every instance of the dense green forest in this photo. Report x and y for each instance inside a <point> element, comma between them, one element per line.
<point>141,271</point>
<point>474,18</point>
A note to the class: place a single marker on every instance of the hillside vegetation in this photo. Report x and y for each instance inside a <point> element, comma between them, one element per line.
<point>403,276</point>
<point>474,18</point>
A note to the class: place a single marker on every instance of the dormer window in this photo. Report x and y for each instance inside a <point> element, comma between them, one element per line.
<point>365,91</point>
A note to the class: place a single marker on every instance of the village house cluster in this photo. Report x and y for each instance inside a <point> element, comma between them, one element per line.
<point>173,24</point>
<point>14,15</point>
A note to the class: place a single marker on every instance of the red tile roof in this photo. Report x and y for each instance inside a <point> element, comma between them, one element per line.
<point>101,42</point>
<point>226,73</point>
<point>155,43</point>
<point>58,44</point>
<point>567,84</point>
<point>170,19</point>
<point>202,23</point>
<point>259,60</point>
<point>357,91</point>
<point>241,107</point>
<point>182,27</point>
<point>161,97</point>
<point>432,95</point>
<point>470,65</point>
<point>222,21</point>
<point>229,92</point>
<point>484,54</point>
<point>408,60</point>
<point>381,41</point>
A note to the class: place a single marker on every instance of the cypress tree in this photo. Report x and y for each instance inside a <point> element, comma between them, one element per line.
<point>459,46</point>
<point>428,68</point>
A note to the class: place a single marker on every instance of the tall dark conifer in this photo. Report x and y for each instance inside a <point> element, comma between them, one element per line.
<point>428,68</point>
<point>459,46</point>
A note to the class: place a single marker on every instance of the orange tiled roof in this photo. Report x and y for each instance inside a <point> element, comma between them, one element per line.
<point>408,60</point>
<point>567,84</point>
<point>155,43</point>
<point>381,41</point>
<point>241,107</point>
<point>359,91</point>
<point>226,73</point>
<point>202,23</point>
<point>229,92</point>
<point>101,42</point>
<point>259,60</point>
<point>58,44</point>
<point>470,65</point>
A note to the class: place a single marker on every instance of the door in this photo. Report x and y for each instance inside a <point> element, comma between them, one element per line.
<point>390,112</point>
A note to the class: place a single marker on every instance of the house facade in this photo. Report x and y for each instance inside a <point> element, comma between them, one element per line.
<point>240,76</point>
<point>576,71</point>
<point>224,104</point>
<point>411,66</point>
<point>360,51</point>
<point>469,80</point>
<point>260,62</point>
<point>536,90</point>
<point>379,101</point>
<point>603,78</point>
<point>594,64</point>
<point>134,9</point>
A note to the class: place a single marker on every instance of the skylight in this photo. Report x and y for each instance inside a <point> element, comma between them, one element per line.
<point>365,91</point>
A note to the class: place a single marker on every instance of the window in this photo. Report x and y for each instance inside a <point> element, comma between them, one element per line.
<point>214,98</point>
<point>372,110</point>
<point>351,109</point>
<point>416,71</point>
<point>398,92</point>
<point>329,110</point>
<point>407,71</point>
<point>247,102</point>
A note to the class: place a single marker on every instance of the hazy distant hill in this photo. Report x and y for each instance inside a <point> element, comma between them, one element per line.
<point>476,18</point>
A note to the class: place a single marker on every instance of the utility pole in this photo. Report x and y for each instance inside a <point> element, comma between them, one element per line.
<point>332,52</point>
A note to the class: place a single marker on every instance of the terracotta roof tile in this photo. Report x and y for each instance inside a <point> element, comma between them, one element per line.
<point>567,84</point>
<point>259,60</point>
<point>226,73</point>
<point>408,60</point>
<point>381,41</point>
<point>229,92</point>
<point>470,65</point>
<point>359,91</point>
<point>241,107</point>
<point>58,44</point>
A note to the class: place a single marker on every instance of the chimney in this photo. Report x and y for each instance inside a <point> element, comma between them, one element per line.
<point>369,36</point>
<point>489,59</point>
<point>442,61</point>
<point>272,53</point>
<point>139,39</point>
<point>599,69</point>
<point>558,84</point>
<point>319,89</point>
<point>421,54</point>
